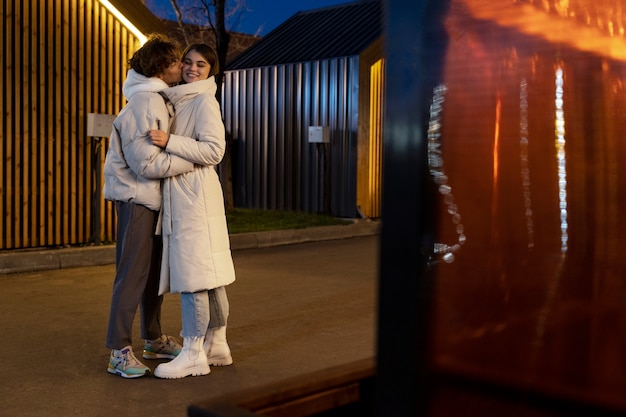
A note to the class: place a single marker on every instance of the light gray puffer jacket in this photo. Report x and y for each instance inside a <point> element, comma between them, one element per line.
<point>134,167</point>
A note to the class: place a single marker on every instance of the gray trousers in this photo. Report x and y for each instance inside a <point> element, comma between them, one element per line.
<point>138,264</point>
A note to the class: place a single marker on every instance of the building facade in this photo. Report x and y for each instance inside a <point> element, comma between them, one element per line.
<point>322,69</point>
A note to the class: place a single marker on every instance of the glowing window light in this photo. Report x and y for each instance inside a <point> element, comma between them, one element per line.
<point>142,38</point>
<point>560,156</point>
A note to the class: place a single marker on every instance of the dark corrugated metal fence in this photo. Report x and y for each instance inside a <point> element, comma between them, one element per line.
<point>268,112</point>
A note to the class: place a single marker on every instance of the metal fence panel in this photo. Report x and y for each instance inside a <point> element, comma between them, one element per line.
<point>268,112</point>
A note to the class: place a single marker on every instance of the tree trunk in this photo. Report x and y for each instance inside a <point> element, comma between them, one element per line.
<point>222,39</point>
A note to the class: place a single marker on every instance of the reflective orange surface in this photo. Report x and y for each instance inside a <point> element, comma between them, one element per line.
<point>532,139</point>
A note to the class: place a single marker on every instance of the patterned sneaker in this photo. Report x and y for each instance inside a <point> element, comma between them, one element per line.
<point>126,365</point>
<point>165,347</point>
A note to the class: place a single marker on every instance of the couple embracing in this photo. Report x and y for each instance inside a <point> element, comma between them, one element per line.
<point>172,234</point>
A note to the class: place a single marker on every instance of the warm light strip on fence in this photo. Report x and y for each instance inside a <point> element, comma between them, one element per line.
<point>142,38</point>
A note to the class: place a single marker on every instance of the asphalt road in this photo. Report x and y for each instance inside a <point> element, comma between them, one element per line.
<point>295,309</point>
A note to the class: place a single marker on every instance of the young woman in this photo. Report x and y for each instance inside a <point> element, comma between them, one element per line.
<point>197,261</point>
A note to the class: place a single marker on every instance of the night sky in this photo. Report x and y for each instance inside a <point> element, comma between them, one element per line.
<point>259,17</point>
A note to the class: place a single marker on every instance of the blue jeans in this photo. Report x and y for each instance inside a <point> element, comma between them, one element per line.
<point>203,310</point>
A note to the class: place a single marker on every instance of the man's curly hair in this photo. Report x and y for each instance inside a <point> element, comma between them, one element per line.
<point>155,56</point>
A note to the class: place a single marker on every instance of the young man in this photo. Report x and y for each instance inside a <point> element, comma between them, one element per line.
<point>133,170</point>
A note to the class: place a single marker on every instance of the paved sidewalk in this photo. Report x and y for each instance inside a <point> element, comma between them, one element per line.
<point>42,260</point>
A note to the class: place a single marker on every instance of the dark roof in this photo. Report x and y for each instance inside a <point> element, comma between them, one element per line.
<point>139,15</point>
<point>331,32</point>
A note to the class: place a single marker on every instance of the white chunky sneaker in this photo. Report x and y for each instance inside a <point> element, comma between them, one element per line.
<point>216,347</point>
<point>191,361</point>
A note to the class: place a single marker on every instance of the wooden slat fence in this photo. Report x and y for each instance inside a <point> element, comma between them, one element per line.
<point>62,59</point>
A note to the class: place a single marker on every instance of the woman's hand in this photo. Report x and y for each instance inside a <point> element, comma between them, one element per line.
<point>159,138</point>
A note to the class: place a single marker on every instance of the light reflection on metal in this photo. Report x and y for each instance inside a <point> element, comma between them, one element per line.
<point>495,152</point>
<point>496,146</point>
<point>555,281</point>
<point>435,166</point>
<point>561,7</point>
<point>592,26</point>
<point>525,169</point>
<point>607,16</point>
<point>561,157</point>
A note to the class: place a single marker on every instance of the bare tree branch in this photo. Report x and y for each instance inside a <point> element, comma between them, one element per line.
<point>179,18</point>
<point>206,5</point>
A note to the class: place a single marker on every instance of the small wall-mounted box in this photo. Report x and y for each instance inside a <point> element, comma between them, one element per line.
<point>319,134</point>
<point>99,125</point>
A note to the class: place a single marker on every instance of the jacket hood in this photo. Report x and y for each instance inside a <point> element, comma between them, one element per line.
<point>137,83</point>
<point>189,91</point>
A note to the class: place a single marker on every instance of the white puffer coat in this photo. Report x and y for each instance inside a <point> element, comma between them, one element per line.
<point>196,246</point>
<point>133,166</point>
